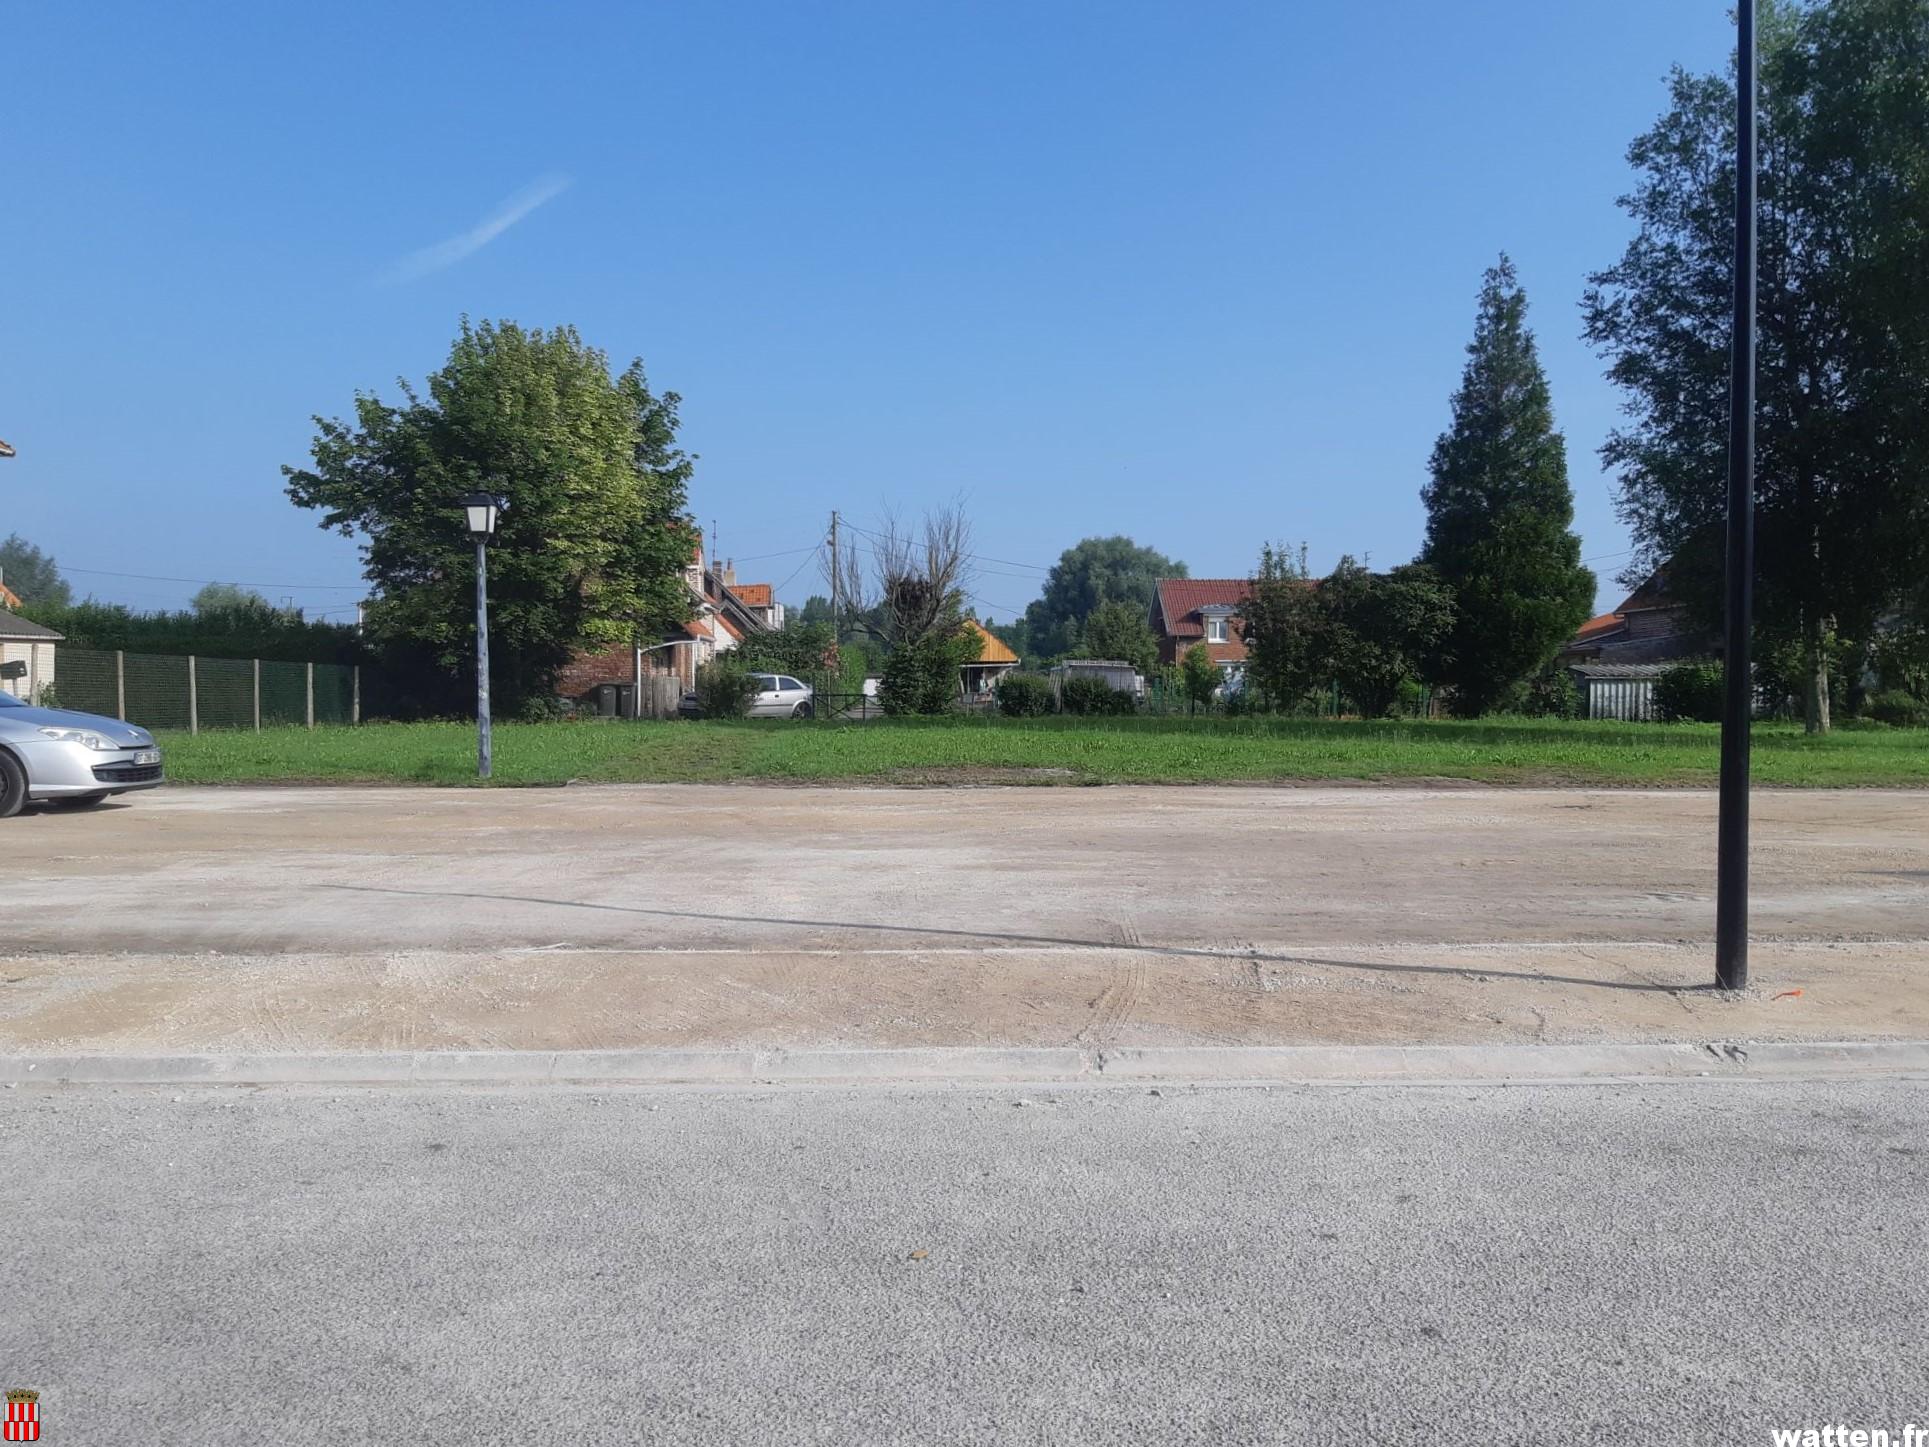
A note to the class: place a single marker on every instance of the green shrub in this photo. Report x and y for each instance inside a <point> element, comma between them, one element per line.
<point>1899,708</point>
<point>1552,693</point>
<point>922,677</point>
<point>1900,658</point>
<point>725,688</point>
<point>1024,695</point>
<point>1095,696</point>
<point>1689,693</point>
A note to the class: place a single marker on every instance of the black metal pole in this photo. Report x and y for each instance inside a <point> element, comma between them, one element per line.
<point>1738,685</point>
<point>483,761</point>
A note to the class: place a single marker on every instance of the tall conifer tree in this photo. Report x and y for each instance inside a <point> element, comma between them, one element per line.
<point>1500,512</point>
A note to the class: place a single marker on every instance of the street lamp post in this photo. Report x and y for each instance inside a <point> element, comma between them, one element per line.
<point>480,510</point>
<point>1738,684</point>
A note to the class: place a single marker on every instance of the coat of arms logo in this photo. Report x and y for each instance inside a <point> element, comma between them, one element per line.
<point>23,1416</point>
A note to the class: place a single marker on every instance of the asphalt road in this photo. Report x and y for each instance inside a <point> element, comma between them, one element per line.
<point>1630,1264</point>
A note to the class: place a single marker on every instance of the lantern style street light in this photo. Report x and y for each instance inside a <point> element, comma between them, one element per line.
<point>480,511</point>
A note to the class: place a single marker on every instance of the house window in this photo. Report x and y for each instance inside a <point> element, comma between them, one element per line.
<point>1215,630</point>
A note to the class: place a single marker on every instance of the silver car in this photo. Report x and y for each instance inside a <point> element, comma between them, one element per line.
<point>69,760</point>
<point>778,696</point>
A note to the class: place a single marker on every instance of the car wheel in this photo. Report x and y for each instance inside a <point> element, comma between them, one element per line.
<point>78,801</point>
<point>803,710</point>
<point>13,786</point>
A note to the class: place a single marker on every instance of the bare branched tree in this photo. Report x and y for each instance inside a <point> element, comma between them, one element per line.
<point>921,581</point>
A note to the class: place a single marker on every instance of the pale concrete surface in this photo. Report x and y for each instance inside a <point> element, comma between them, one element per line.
<point>1612,1061</point>
<point>1473,1265</point>
<point>706,917</point>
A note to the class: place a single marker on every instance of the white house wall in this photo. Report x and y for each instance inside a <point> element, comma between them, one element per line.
<point>39,658</point>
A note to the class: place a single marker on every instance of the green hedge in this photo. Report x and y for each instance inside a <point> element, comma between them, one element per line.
<point>1689,693</point>
<point>1024,695</point>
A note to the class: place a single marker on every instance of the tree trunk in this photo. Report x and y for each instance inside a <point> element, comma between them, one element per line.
<point>1815,668</point>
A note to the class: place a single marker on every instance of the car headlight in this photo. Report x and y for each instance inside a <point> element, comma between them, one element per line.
<point>86,738</point>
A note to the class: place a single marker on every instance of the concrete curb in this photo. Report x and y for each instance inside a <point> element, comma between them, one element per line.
<point>1308,1064</point>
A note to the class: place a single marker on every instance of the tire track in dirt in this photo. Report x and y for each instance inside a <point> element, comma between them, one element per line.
<point>1112,1007</point>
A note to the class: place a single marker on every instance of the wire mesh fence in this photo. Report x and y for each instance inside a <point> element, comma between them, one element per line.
<point>182,692</point>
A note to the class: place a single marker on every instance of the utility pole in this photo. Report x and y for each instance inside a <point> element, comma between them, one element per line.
<point>1738,684</point>
<point>836,627</point>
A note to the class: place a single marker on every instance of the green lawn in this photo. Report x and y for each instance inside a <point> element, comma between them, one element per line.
<point>1057,750</point>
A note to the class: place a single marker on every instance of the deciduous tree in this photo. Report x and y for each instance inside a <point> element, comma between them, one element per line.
<point>1095,571</point>
<point>1287,651</point>
<point>31,574</point>
<point>593,539</point>
<point>1842,460</point>
<point>1381,629</point>
<point>1199,676</point>
<point>1118,630</point>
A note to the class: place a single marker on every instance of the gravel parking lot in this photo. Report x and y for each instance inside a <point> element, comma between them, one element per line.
<point>634,916</point>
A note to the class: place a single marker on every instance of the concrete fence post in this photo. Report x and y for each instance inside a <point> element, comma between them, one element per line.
<point>257,664</point>
<point>355,695</point>
<point>33,674</point>
<point>194,699</point>
<point>120,683</point>
<point>311,695</point>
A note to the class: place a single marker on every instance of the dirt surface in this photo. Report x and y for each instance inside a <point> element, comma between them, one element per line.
<point>620,916</point>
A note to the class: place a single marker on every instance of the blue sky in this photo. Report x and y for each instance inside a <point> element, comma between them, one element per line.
<point>1198,273</point>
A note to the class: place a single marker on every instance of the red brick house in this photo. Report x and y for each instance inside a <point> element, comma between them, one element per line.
<point>723,612</point>
<point>1186,611</point>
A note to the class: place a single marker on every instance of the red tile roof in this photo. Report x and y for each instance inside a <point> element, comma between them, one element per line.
<point>754,595</point>
<point>1180,600</point>
<point>1595,627</point>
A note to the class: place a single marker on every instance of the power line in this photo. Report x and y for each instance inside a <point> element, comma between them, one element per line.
<point>975,572</point>
<point>814,552</point>
<point>977,557</point>
<point>233,582</point>
<point>1001,607</point>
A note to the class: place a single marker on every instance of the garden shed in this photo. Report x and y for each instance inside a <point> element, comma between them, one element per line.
<point>26,656</point>
<point>1618,690</point>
